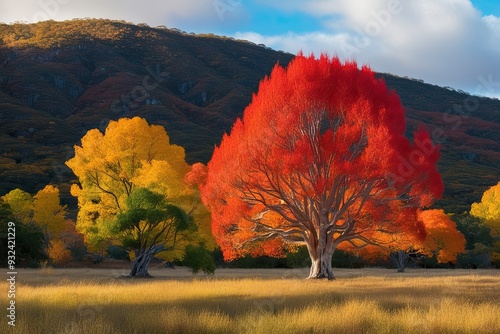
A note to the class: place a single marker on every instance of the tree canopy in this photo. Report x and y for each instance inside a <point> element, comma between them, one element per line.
<point>320,157</point>
<point>48,212</point>
<point>150,225</point>
<point>489,210</point>
<point>21,204</point>
<point>112,166</point>
<point>489,207</point>
<point>442,241</point>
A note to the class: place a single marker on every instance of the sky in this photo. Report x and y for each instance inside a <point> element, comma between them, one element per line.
<point>454,43</point>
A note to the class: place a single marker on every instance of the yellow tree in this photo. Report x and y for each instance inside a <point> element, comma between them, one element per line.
<point>50,215</point>
<point>489,210</point>
<point>48,212</point>
<point>130,154</point>
<point>21,204</point>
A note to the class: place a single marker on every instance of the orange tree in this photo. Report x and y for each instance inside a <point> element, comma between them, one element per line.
<point>320,157</point>
<point>442,241</point>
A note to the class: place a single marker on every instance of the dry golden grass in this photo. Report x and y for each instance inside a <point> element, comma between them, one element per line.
<point>359,301</point>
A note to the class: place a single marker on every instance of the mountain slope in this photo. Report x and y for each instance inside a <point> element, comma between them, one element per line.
<point>59,79</point>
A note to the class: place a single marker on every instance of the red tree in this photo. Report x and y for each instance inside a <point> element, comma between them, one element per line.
<point>320,158</point>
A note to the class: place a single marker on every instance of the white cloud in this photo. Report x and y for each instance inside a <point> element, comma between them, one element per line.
<point>493,22</point>
<point>315,42</point>
<point>191,14</point>
<point>443,42</point>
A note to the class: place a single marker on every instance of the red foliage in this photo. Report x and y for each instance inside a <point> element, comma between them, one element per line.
<point>320,156</point>
<point>197,175</point>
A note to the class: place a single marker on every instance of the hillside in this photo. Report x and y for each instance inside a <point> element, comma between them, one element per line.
<point>59,79</point>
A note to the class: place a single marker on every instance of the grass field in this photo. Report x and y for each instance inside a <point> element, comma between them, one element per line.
<point>255,301</point>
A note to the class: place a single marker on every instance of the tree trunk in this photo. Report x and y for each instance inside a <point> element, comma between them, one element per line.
<point>321,266</point>
<point>400,259</point>
<point>142,260</point>
<point>320,252</point>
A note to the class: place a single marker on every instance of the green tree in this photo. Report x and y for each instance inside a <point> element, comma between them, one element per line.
<point>30,246</point>
<point>474,230</point>
<point>21,204</point>
<point>199,258</point>
<point>151,225</point>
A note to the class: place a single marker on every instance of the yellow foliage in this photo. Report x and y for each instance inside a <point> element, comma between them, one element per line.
<point>489,210</point>
<point>130,154</point>
<point>45,210</point>
<point>75,190</point>
<point>109,165</point>
<point>165,177</point>
<point>489,207</point>
<point>21,204</point>
<point>48,211</point>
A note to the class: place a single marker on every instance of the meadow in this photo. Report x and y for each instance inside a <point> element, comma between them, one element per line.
<point>255,301</point>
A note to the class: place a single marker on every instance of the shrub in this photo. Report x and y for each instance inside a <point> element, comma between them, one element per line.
<point>298,259</point>
<point>199,258</point>
<point>118,253</point>
<point>59,253</point>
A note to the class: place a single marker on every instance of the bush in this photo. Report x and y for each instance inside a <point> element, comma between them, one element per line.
<point>342,259</point>
<point>298,259</point>
<point>199,258</point>
<point>258,262</point>
<point>58,252</point>
<point>117,253</point>
<point>30,245</point>
<point>478,257</point>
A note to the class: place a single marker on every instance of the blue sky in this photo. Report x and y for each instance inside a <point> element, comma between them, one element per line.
<point>452,43</point>
<point>488,6</point>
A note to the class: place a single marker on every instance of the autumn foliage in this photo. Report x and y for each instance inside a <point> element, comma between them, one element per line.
<point>442,240</point>
<point>320,157</point>
<point>127,174</point>
<point>46,212</point>
<point>489,211</point>
<point>109,165</point>
<point>489,207</point>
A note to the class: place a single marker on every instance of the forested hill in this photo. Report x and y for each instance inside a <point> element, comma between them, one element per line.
<point>59,79</point>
